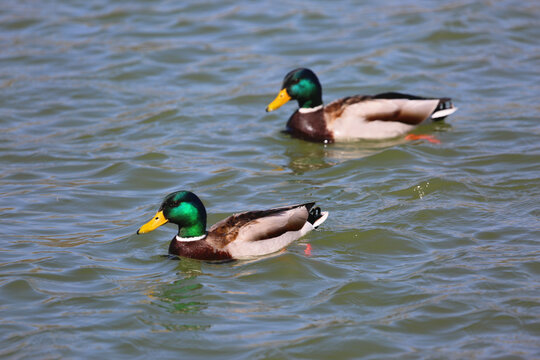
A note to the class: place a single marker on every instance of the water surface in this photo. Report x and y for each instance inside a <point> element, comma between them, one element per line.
<point>430,251</point>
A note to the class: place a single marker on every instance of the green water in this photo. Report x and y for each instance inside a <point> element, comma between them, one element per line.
<point>430,250</point>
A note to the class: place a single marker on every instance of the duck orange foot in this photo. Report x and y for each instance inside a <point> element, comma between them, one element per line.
<point>431,139</point>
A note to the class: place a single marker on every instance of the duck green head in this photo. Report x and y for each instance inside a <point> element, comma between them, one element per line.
<point>302,85</point>
<point>182,208</point>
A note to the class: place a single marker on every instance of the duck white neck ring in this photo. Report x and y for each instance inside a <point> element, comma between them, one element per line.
<point>191,238</point>
<point>309,110</point>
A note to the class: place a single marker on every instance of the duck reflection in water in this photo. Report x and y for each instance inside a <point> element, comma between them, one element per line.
<point>182,296</point>
<point>304,157</point>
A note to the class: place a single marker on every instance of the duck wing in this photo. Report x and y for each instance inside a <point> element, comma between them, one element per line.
<point>395,107</point>
<point>254,233</point>
<point>261,224</point>
<point>382,116</point>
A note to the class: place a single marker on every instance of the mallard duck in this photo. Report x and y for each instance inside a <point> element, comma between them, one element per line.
<point>379,116</point>
<point>240,236</point>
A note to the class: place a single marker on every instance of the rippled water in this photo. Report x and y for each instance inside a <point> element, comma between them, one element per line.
<point>430,251</point>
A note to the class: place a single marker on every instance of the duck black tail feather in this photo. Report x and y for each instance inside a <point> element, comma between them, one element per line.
<point>314,215</point>
<point>308,205</point>
<point>444,104</point>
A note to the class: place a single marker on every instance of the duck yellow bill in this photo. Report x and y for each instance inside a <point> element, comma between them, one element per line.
<point>281,99</point>
<point>157,221</point>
